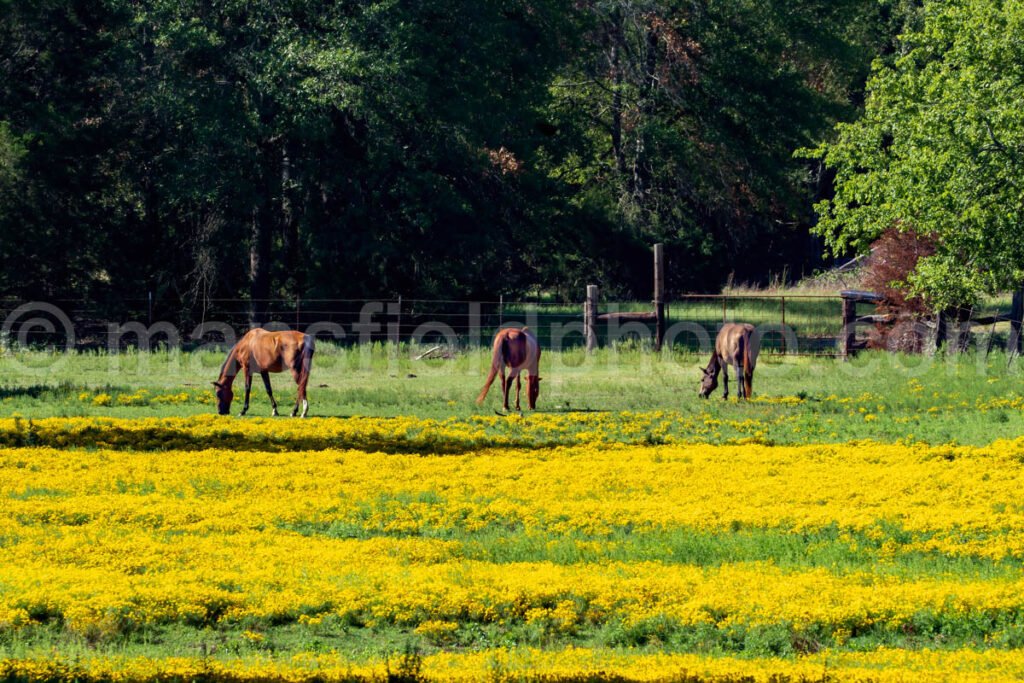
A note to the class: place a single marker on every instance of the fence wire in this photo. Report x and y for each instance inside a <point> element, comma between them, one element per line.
<point>792,324</point>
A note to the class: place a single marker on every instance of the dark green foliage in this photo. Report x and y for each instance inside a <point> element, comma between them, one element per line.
<point>937,151</point>
<point>448,148</point>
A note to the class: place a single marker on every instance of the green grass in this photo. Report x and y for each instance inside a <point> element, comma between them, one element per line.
<point>966,399</point>
<point>840,551</point>
<point>349,638</point>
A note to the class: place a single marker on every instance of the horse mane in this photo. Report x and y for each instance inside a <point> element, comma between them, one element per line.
<point>232,357</point>
<point>714,363</point>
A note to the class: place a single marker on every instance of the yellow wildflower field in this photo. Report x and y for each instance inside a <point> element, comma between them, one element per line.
<point>122,559</point>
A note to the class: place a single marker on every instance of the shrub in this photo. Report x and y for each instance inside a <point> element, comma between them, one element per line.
<point>894,256</point>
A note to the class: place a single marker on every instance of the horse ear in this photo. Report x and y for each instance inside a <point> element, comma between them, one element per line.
<point>217,384</point>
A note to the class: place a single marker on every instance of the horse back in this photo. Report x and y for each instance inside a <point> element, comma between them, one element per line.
<point>518,347</point>
<point>733,340</point>
<point>275,351</point>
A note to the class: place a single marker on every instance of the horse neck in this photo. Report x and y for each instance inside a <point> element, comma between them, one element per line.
<point>713,364</point>
<point>229,369</point>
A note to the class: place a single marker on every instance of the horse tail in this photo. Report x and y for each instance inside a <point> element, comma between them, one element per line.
<point>308,347</point>
<point>748,366</point>
<point>498,357</point>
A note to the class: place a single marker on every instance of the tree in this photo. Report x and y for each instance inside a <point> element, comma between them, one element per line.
<point>940,150</point>
<point>12,150</point>
<point>268,149</point>
<point>689,114</point>
<point>447,148</point>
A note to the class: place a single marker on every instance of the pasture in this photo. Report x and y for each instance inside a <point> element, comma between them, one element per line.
<point>854,521</point>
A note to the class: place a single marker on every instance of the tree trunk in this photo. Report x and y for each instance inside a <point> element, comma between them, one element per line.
<point>615,36</point>
<point>259,267</point>
<point>640,172</point>
<point>289,227</point>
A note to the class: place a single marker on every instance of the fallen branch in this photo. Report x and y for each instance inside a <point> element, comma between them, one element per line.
<point>427,353</point>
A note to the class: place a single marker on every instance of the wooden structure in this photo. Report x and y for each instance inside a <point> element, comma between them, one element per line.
<point>656,316</point>
<point>848,344</point>
<point>952,325</point>
<point>1014,344</point>
<point>590,318</point>
<point>659,295</point>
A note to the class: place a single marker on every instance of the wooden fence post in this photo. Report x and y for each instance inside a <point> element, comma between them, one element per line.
<point>659,295</point>
<point>1014,345</point>
<point>941,322</point>
<point>849,330</point>
<point>590,318</point>
<point>848,337</point>
<point>398,323</point>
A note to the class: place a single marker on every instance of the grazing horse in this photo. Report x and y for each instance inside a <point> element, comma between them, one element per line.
<point>519,350</point>
<point>265,352</point>
<point>735,345</point>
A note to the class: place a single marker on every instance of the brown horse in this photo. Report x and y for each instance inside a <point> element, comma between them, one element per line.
<point>735,345</point>
<point>519,350</point>
<point>265,352</point>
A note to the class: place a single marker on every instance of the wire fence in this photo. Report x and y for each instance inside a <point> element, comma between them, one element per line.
<point>803,324</point>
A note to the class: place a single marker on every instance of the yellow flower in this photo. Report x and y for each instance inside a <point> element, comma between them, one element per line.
<point>253,637</point>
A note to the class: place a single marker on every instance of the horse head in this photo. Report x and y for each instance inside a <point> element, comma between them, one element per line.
<point>533,391</point>
<point>709,382</point>
<point>224,397</point>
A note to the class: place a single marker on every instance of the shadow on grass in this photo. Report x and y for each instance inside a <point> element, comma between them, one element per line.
<point>59,391</point>
<point>34,391</point>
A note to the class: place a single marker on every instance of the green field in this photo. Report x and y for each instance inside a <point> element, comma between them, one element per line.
<point>970,398</point>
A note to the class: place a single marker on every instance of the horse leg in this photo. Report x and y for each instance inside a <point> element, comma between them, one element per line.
<point>270,392</point>
<point>518,386</point>
<point>248,388</point>
<point>506,384</point>
<point>739,380</point>
<point>300,396</point>
<point>725,381</point>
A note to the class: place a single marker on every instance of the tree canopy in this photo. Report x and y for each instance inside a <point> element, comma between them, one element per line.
<point>940,150</point>
<point>461,148</point>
